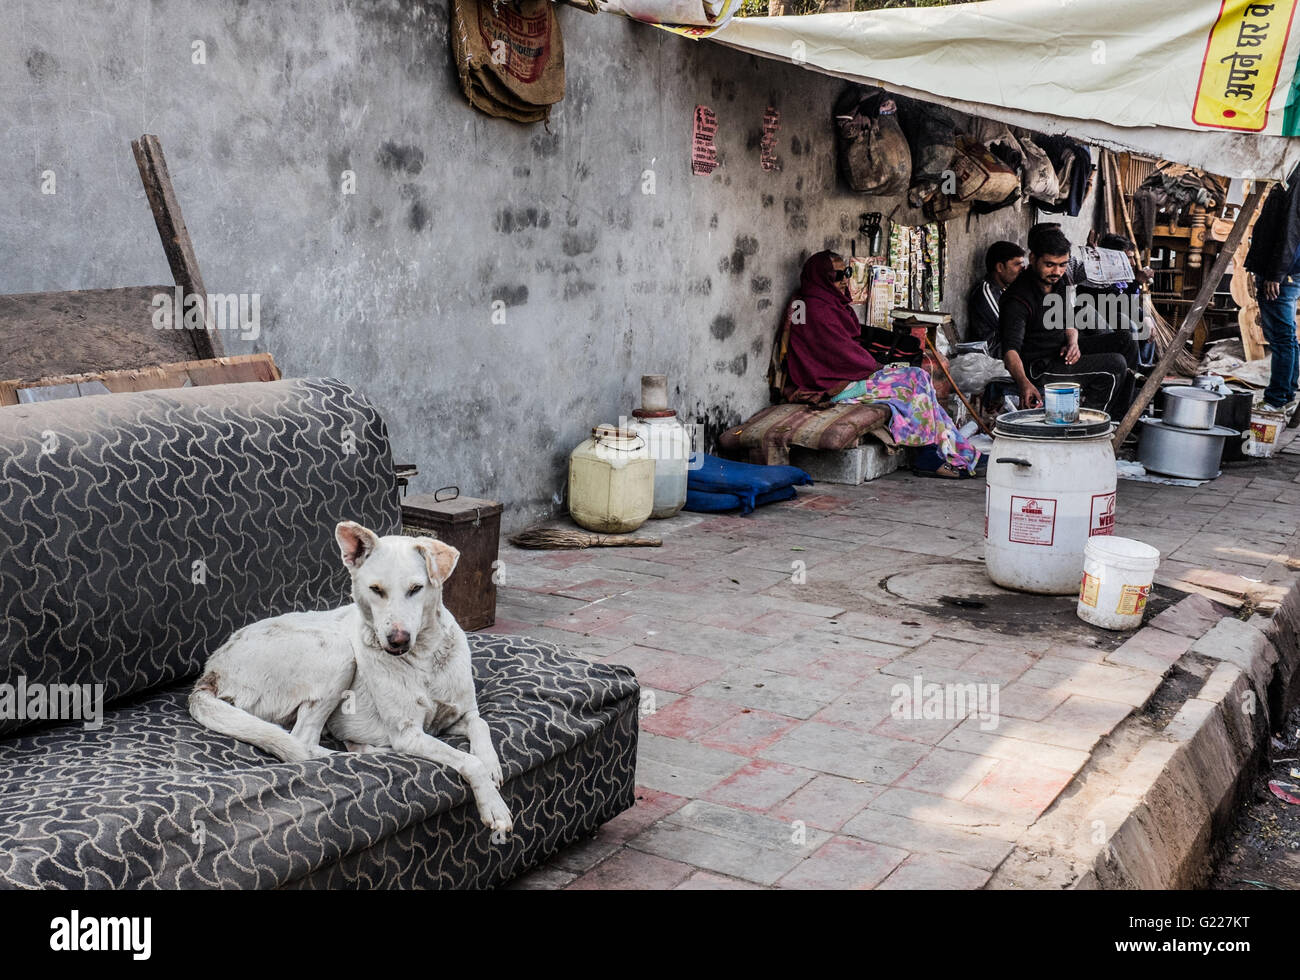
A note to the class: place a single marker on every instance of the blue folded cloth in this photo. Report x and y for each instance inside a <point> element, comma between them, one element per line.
<point>716,503</point>
<point>745,481</point>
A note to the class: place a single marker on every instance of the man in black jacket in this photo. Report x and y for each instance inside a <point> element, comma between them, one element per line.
<point>1041,344</point>
<point>1274,258</point>
<point>1002,264</point>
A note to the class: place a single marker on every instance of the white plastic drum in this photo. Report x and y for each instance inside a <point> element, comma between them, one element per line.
<point>1050,487</point>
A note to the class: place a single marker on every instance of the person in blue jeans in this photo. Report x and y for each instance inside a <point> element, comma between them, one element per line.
<point>1274,258</point>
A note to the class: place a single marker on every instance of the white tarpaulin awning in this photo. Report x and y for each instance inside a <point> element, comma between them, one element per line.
<point>1210,83</point>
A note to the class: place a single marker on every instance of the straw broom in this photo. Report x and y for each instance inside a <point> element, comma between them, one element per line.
<point>1185,362</point>
<point>554,538</point>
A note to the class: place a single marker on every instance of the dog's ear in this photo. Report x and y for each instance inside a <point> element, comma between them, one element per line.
<point>356,543</point>
<point>439,557</point>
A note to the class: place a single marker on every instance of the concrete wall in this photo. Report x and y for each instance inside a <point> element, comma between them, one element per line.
<point>392,288</point>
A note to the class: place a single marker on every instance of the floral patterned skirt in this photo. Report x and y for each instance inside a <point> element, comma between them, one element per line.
<point>916,416</point>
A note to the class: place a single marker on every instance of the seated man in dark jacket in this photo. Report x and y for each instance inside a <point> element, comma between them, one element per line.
<point>1002,264</point>
<point>1041,344</point>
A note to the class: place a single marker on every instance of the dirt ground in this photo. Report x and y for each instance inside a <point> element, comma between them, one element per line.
<point>1263,850</point>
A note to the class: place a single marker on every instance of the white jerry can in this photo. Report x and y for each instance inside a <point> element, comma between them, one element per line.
<point>1050,487</point>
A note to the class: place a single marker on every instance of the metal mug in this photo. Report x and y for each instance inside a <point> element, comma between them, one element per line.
<point>1061,402</point>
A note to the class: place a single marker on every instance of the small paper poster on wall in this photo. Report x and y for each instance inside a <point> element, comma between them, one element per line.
<point>704,155</point>
<point>771,123</point>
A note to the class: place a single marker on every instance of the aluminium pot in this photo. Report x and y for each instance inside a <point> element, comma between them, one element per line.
<point>1190,408</point>
<point>1192,454</point>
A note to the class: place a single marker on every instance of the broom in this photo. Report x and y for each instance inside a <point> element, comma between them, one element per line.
<point>1185,363</point>
<point>546,538</point>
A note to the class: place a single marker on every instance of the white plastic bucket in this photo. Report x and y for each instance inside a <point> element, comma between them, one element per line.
<point>1117,575</point>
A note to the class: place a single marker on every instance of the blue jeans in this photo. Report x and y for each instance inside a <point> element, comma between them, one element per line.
<point>1277,320</point>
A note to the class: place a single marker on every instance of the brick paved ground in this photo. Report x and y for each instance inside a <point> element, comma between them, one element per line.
<point>767,648</point>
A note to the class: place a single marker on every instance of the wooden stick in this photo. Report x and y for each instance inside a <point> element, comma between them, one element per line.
<point>1203,297</point>
<point>175,238</point>
<point>1123,207</point>
<point>944,368</point>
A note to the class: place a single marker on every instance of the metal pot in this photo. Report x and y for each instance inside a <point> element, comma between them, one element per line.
<point>1193,454</point>
<point>1190,408</point>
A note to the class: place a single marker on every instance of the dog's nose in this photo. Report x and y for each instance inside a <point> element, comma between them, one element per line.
<point>399,640</point>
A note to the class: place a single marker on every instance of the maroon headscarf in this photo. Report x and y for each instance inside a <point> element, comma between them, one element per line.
<point>824,351</point>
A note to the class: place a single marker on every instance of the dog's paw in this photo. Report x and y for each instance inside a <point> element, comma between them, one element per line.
<point>495,814</point>
<point>320,752</point>
<point>494,773</point>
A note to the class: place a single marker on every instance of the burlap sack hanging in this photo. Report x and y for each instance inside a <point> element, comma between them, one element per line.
<point>509,57</point>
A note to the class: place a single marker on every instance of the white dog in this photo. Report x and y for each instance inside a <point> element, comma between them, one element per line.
<point>389,671</point>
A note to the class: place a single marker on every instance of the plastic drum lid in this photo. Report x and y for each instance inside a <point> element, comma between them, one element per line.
<point>1033,424</point>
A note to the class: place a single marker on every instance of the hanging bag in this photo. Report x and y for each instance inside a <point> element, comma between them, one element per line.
<point>874,157</point>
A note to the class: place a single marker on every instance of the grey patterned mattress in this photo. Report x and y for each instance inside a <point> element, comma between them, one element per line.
<point>153,800</point>
<point>138,532</point>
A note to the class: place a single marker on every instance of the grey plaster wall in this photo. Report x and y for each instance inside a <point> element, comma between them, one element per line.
<point>392,287</point>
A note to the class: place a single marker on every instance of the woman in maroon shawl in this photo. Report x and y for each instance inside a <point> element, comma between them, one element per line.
<point>825,355</point>
<point>825,360</point>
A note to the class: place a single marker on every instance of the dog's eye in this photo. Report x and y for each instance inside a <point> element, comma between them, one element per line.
<point>377,591</point>
<point>414,589</point>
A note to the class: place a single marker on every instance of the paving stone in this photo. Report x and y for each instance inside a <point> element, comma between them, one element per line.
<point>632,869</point>
<point>651,806</point>
<point>1088,714</point>
<point>544,878</point>
<point>1150,649</point>
<point>692,639</point>
<point>708,881</point>
<point>1104,681</point>
<point>882,629</point>
<point>673,765</point>
<point>536,602</point>
<point>666,670</point>
<point>997,745</point>
<point>1022,789</point>
<point>926,731</point>
<point>942,653</point>
<point>930,872</point>
<point>759,786</point>
<point>842,752</point>
<point>1068,651</point>
<point>584,855</point>
<point>863,707</point>
<point>845,862</point>
<point>941,840</point>
<point>947,773</point>
<point>783,694</point>
<point>1192,616</point>
<point>748,732</point>
<point>954,814</point>
<point>1031,703</point>
<point>586,619</point>
<point>718,838</point>
<point>919,539</point>
<point>688,717</point>
<point>742,611</point>
<point>996,666</point>
<point>827,802</point>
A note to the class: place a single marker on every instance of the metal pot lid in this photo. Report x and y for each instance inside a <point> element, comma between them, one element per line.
<point>1032,423</point>
<point>1192,394</point>
<point>1218,430</point>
